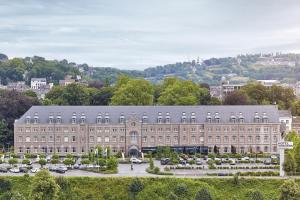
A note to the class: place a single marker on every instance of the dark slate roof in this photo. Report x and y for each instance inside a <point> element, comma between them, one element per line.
<point>175,112</point>
<point>284,113</point>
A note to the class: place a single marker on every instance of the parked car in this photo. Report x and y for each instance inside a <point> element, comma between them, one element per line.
<point>232,162</point>
<point>268,161</point>
<point>135,160</point>
<point>35,170</point>
<point>52,168</point>
<point>76,166</point>
<point>245,158</point>
<point>23,169</point>
<point>3,170</point>
<point>274,157</point>
<point>63,167</point>
<point>60,170</point>
<point>198,161</point>
<point>164,161</point>
<point>14,170</point>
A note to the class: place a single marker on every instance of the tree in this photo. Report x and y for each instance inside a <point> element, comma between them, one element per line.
<point>54,161</point>
<point>76,94</point>
<point>135,187</point>
<point>289,164</point>
<point>26,162</point>
<point>69,161</point>
<point>13,161</point>
<point>44,187</point>
<point>236,98</point>
<point>203,194</point>
<point>17,196</point>
<point>151,163</point>
<point>42,162</point>
<point>182,92</point>
<point>133,92</point>
<point>112,163</point>
<point>289,190</point>
<point>102,96</point>
<point>297,158</point>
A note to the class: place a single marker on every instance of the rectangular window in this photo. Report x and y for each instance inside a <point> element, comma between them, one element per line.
<point>92,139</point>
<point>209,138</point>
<point>114,138</point>
<point>66,139</point>
<point>122,139</point>
<point>99,139</point>
<point>106,139</point>
<point>226,139</point>
<point>73,138</point>
<point>152,139</point>
<point>145,139</point>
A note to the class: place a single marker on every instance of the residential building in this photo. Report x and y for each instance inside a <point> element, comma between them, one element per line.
<point>134,129</point>
<point>296,124</point>
<point>38,83</point>
<point>285,116</point>
<point>66,82</point>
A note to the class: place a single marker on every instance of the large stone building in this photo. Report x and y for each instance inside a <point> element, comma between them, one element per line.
<point>132,129</point>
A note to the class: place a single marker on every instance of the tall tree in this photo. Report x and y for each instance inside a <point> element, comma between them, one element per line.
<point>181,92</point>
<point>133,92</point>
<point>236,98</point>
<point>44,187</point>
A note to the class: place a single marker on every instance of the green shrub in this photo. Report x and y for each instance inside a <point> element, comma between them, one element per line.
<point>26,162</point>
<point>203,194</point>
<point>156,170</point>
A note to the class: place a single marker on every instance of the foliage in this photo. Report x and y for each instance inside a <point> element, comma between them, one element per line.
<point>236,98</point>
<point>182,92</point>
<point>255,195</point>
<point>203,194</point>
<point>290,190</point>
<point>13,161</point>
<point>5,185</point>
<point>181,190</point>
<point>132,92</point>
<point>135,187</point>
<point>44,187</point>
<point>112,163</point>
<point>26,161</point>
<point>151,163</point>
<point>69,161</point>
<point>42,162</point>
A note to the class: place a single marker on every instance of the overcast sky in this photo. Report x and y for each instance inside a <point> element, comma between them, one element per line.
<point>135,34</point>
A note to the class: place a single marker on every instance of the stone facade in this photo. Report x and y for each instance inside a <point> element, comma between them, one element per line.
<point>132,129</point>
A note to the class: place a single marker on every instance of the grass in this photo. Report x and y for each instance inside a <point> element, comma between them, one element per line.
<point>157,187</point>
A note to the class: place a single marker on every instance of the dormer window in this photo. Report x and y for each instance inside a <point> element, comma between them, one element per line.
<point>265,118</point>
<point>241,118</point>
<point>107,119</point>
<point>51,119</point>
<point>74,118</point>
<point>232,118</point>
<point>217,117</point>
<point>208,117</point>
<point>145,118</point>
<point>168,119</point>
<point>159,118</point>
<point>256,118</point>
<point>82,118</point>
<point>99,118</point>
<point>122,119</point>
<point>193,118</point>
<point>58,118</point>
<point>36,118</point>
<point>183,117</point>
<point>28,118</point>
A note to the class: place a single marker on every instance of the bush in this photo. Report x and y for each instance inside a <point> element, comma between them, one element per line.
<point>13,161</point>
<point>255,195</point>
<point>172,196</point>
<point>203,194</point>
<point>26,162</point>
<point>55,156</point>
<point>289,190</point>
<point>5,185</point>
<point>135,187</point>
<point>181,189</point>
<point>54,161</point>
<point>112,163</point>
<point>85,161</point>
<point>69,161</point>
<point>236,179</point>
<point>156,170</point>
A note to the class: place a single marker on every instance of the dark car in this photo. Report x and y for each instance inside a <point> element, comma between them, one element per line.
<point>60,170</point>
<point>3,170</point>
<point>164,161</point>
<point>23,169</point>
